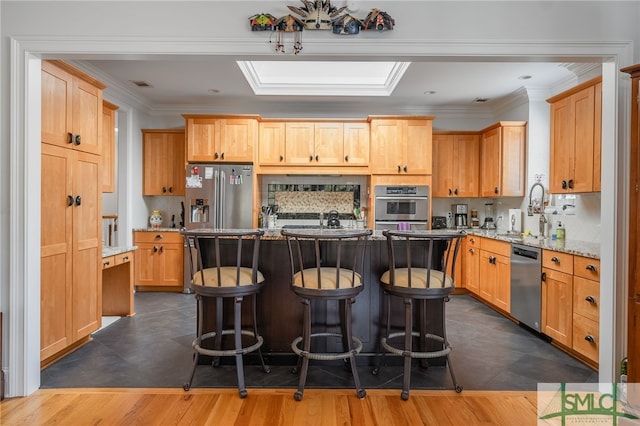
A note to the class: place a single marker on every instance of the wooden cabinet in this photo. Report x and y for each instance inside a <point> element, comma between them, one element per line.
<point>314,143</point>
<point>71,226</point>
<point>502,160</point>
<point>117,284</point>
<point>495,273</point>
<point>576,117</point>
<point>471,263</point>
<point>159,261</point>
<point>401,145</point>
<point>221,139</point>
<point>108,146</point>
<point>163,162</point>
<point>70,249</point>
<point>586,307</point>
<point>456,165</point>
<point>71,108</point>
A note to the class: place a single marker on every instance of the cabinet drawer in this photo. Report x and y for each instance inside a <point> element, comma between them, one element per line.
<point>495,246</point>
<point>473,241</point>
<point>586,268</point>
<point>586,294</point>
<point>124,258</point>
<point>157,237</point>
<point>108,262</point>
<point>586,337</point>
<point>562,262</point>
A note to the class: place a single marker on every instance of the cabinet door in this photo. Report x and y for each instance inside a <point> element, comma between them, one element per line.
<point>155,150</point>
<point>488,276</point>
<point>56,90</point>
<point>443,165</point>
<point>490,155</point>
<point>300,143</point>
<point>87,245</point>
<point>502,298</point>
<point>170,267</point>
<point>466,175</point>
<point>271,144</point>
<point>512,161</point>
<point>56,255</point>
<point>356,144</point>
<point>418,145</point>
<point>237,138</point>
<point>388,151</point>
<point>557,306</point>
<point>175,163</point>
<point>597,139</point>
<point>146,261</point>
<point>202,139</point>
<point>562,145</point>
<point>470,265</point>
<point>108,147</point>
<point>329,143</point>
<point>87,117</point>
<point>584,113</point>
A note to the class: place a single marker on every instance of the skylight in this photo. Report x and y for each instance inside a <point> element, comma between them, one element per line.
<point>321,78</point>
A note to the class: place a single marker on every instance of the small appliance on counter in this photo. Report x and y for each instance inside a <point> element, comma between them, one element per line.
<point>488,224</point>
<point>475,221</point>
<point>438,222</point>
<point>460,215</point>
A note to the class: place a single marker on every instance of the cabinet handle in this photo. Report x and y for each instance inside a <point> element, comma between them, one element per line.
<point>590,299</point>
<point>543,277</point>
<point>125,258</point>
<point>471,251</point>
<point>564,184</point>
<point>159,237</point>
<point>492,260</point>
<point>70,137</point>
<point>76,140</point>
<point>592,268</point>
<point>316,158</point>
<point>155,249</point>
<point>171,189</point>
<point>399,169</point>
<point>311,158</point>
<point>496,190</point>
<point>455,191</point>
<point>404,169</point>
<point>161,249</point>
<point>222,156</point>
<point>216,156</point>
<point>346,158</point>
<point>78,200</point>
<point>589,338</point>
<point>450,192</point>
<point>69,200</point>
<point>164,189</point>
<point>570,183</point>
<point>105,263</point>
<point>473,240</point>
<point>555,260</point>
<point>282,158</point>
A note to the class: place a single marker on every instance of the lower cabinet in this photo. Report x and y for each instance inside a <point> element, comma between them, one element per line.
<point>159,260</point>
<point>117,284</point>
<point>570,302</point>
<point>470,260</point>
<point>495,273</point>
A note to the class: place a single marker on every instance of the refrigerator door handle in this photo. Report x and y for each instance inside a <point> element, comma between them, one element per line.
<point>222,199</point>
<point>216,198</point>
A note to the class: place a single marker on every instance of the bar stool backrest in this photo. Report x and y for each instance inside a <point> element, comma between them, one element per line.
<point>225,258</point>
<point>338,264</point>
<point>422,260</point>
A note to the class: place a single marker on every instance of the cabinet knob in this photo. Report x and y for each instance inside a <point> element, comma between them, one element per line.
<point>592,268</point>
<point>473,240</point>
<point>76,140</point>
<point>496,190</point>
<point>155,249</point>
<point>78,200</point>
<point>589,338</point>
<point>554,259</point>
<point>590,299</point>
<point>564,184</point>
<point>164,189</point>
<point>471,251</point>
<point>492,260</point>
<point>346,158</point>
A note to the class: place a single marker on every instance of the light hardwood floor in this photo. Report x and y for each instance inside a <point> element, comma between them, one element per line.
<point>221,407</point>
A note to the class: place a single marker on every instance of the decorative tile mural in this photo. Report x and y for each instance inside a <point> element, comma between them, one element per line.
<point>300,201</point>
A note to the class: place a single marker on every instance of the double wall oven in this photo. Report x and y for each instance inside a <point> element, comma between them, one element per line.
<point>401,204</point>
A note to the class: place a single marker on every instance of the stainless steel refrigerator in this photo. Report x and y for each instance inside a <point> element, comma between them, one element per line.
<point>219,196</point>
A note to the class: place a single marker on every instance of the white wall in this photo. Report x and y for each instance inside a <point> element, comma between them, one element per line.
<point>472,30</point>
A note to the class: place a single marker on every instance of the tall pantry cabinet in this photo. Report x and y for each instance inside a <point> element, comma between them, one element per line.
<point>71,232</point>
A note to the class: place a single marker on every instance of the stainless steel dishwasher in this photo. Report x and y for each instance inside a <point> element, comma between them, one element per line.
<point>526,289</point>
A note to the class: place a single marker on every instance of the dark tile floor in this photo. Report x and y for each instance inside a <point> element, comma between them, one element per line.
<point>153,349</point>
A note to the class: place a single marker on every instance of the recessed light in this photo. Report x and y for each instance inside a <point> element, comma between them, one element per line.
<point>524,77</point>
<point>140,83</point>
<point>430,92</point>
<point>480,100</point>
<point>213,91</point>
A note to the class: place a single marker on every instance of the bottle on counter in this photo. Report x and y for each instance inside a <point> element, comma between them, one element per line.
<point>560,231</point>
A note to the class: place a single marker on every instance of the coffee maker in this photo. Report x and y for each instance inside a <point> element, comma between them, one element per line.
<point>459,215</point>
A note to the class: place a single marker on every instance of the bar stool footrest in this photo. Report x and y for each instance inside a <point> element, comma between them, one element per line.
<point>416,354</point>
<point>326,356</point>
<point>227,352</point>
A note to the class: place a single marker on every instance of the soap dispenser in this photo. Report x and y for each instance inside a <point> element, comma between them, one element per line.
<point>560,231</point>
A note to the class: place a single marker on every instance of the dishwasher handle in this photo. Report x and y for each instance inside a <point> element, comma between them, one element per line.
<point>524,252</point>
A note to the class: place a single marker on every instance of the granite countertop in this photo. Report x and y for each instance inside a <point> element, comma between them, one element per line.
<point>112,251</point>
<point>157,229</point>
<point>577,247</point>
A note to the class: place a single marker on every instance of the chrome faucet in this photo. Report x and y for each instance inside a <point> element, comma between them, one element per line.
<point>530,207</point>
<point>543,224</point>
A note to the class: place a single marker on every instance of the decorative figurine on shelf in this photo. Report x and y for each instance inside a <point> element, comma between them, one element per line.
<point>317,15</point>
<point>378,20</point>
<point>262,22</point>
<point>155,220</point>
<point>289,24</point>
<point>347,24</point>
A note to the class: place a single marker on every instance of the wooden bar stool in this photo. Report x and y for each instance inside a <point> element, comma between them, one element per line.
<point>421,269</point>
<point>226,268</point>
<point>327,265</point>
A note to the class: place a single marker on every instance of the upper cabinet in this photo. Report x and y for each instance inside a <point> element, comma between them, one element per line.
<point>71,108</point>
<point>221,139</point>
<point>576,117</point>
<point>313,143</point>
<point>401,145</point>
<point>502,159</point>
<point>456,164</point>
<point>108,146</point>
<point>163,162</point>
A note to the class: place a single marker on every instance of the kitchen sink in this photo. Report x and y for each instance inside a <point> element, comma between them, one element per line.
<point>511,236</point>
<point>310,227</point>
